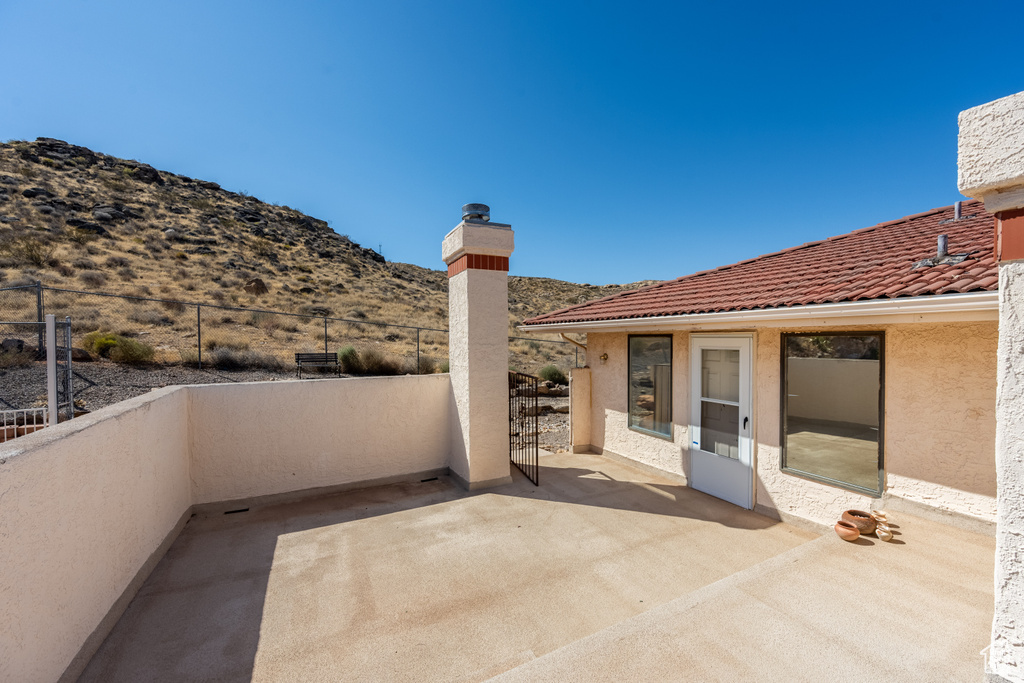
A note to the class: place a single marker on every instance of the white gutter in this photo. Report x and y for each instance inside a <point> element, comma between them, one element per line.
<point>972,305</point>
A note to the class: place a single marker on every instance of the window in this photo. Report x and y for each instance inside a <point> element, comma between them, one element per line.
<point>832,408</point>
<point>650,384</point>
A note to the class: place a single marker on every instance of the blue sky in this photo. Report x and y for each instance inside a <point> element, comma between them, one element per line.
<point>623,141</point>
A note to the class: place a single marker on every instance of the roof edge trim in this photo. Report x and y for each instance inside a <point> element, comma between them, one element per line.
<point>935,304</point>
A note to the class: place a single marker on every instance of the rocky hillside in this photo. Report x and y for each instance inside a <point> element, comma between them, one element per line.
<point>79,219</point>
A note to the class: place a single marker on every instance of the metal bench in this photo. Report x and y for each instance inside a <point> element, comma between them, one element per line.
<point>316,360</point>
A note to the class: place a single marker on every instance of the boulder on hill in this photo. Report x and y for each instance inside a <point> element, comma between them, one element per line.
<point>144,173</point>
<point>255,287</point>
<point>58,150</point>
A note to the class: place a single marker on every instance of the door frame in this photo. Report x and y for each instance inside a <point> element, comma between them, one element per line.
<point>747,440</point>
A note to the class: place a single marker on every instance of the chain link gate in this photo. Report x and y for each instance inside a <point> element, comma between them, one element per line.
<point>523,432</point>
<point>65,398</point>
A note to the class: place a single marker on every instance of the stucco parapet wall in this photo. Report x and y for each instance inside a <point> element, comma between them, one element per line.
<point>38,440</point>
<point>478,237</point>
<point>991,153</point>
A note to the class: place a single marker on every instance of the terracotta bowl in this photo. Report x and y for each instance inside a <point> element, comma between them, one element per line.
<point>864,522</point>
<point>846,531</point>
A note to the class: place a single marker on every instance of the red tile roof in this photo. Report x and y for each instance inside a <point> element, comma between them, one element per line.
<point>871,263</point>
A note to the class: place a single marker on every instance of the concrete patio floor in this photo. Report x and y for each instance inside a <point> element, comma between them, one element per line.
<point>604,572</point>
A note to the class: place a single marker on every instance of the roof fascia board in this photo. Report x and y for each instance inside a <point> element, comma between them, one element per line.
<point>937,308</point>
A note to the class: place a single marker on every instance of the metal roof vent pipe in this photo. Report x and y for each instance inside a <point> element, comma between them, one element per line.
<point>957,211</point>
<point>476,212</point>
<point>943,250</point>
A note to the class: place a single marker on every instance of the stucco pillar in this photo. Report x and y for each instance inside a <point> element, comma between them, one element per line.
<point>991,168</point>
<point>477,252</point>
<point>579,409</point>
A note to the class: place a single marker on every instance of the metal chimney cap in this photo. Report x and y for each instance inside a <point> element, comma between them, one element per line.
<point>476,212</point>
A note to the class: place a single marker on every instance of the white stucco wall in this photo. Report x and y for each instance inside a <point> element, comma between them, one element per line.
<point>939,421</point>
<point>314,433</point>
<point>990,161</point>
<point>609,405</point>
<point>83,505</point>
<point>1007,650</point>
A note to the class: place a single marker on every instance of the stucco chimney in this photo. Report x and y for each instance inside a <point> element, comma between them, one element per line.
<point>477,253</point>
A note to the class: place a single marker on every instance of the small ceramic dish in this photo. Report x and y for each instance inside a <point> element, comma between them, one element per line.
<point>846,531</point>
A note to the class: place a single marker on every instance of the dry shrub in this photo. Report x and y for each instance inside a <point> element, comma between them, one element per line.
<point>118,348</point>
<point>230,359</point>
<point>377,363</point>
<point>150,317</point>
<point>14,359</point>
<point>84,264</point>
<point>92,278</point>
<point>214,343</point>
<point>30,250</point>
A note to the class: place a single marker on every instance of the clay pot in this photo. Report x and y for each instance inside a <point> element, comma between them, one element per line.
<point>883,532</point>
<point>862,520</point>
<point>846,531</point>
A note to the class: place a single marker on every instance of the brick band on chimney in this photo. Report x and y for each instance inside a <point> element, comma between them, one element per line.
<point>477,262</point>
<point>1010,235</point>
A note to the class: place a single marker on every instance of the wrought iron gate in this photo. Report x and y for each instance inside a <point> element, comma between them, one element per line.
<point>65,394</point>
<point>524,444</point>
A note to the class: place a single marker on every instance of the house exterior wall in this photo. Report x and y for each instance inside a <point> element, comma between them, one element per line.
<point>939,424</point>
<point>609,425</point>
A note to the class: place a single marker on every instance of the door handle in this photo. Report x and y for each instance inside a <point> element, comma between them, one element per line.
<point>745,421</point>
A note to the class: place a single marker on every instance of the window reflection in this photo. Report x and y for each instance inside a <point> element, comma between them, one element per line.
<point>650,383</point>
<point>832,407</point>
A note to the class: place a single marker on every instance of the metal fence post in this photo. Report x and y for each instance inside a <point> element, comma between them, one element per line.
<point>325,335</point>
<point>199,334</point>
<point>69,387</point>
<point>51,368</point>
<point>39,317</point>
<point>418,351</point>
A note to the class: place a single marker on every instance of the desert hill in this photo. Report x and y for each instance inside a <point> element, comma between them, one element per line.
<point>78,219</point>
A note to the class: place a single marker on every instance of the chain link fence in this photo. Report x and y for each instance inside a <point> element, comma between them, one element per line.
<point>147,330</point>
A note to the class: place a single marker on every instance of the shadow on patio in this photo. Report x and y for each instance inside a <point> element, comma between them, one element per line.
<point>426,581</point>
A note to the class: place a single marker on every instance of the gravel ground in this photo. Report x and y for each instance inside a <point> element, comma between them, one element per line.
<point>101,383</point>
<point>553,427</point>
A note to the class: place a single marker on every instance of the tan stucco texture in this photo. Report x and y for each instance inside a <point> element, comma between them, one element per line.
<point>939,423</point>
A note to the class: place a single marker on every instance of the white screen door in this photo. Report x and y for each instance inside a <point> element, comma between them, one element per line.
<point>721,423</point>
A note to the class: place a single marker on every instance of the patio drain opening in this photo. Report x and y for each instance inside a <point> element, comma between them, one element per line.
<point>232,512</point>
<point>424,481</point>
